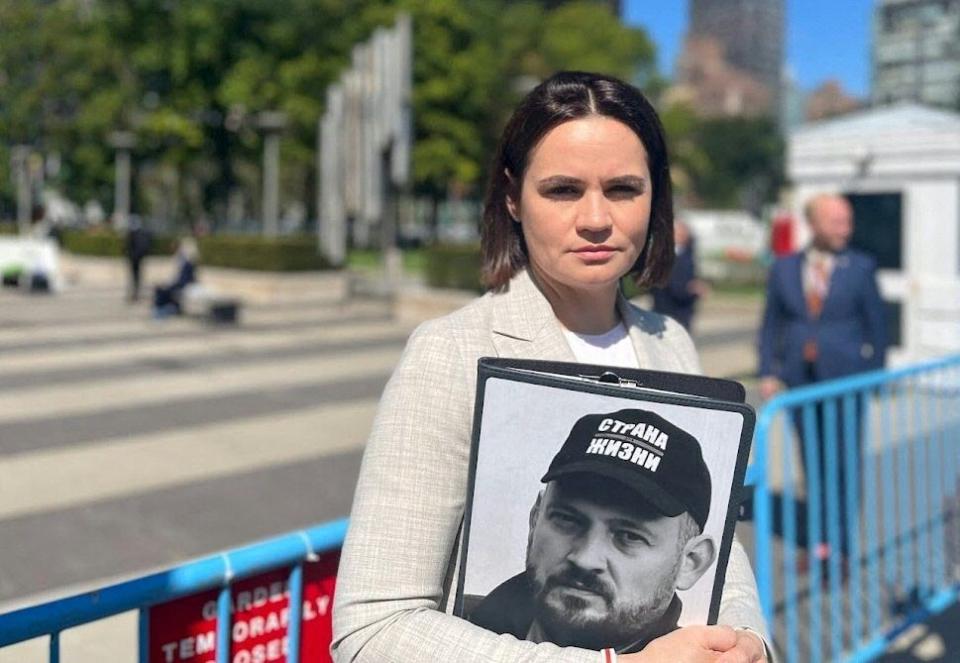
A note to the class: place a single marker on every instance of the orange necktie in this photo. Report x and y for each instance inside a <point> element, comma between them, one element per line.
<point>816,293</point>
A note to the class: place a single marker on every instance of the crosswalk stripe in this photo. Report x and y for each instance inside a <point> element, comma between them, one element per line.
<point>51,479</point>
<point>31,338</point>
<point>238,341</point>
<point>160,365</point>
<point>82,398</point>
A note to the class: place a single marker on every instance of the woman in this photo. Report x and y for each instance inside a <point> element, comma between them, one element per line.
<point>579,197</point>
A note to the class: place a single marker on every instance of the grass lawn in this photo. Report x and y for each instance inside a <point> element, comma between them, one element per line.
<point>414,262</point>
<point>369,260</point>
<point>747,290</point>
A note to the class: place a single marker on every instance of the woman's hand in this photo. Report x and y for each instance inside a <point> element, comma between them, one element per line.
<point>690,644</point>
<point>749,649</point>
<point>701,644</point>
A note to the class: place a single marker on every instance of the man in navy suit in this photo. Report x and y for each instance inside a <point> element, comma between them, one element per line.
<point>678,298</point>
<point>823,319</point>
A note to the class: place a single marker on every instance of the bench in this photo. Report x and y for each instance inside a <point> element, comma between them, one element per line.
<point>205,303</point>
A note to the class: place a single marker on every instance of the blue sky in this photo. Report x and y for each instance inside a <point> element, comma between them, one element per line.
<point>825,38</point>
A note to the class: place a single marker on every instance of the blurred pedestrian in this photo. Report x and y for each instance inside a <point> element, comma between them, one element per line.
<point>823,319</point>
<point>136,248</point>
<point>678,297</point>
<point>167,298</point>
<point>40,273</point>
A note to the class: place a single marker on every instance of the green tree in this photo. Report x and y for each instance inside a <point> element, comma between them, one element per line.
<point>455,75</point>
<point>588,36</point>
<point>188,77</point>
<point>474,60</point>
<point>687,157</point>
<point>191,77</point>
<point>743,165</point>
<point>65,84</point>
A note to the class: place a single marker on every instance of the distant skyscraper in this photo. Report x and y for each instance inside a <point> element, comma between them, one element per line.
<point>792,102</point>
<point>916,52</point>
<point>751,33</point>
<point>713,87</point>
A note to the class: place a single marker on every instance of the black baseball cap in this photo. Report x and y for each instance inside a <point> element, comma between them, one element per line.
<point>644,451</point>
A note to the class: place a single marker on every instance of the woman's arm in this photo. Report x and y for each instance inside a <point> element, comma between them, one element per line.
<point>739,602</point>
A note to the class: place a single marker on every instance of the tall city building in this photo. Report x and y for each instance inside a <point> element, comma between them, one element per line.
<point>793,101</point>
<point>916,52</point>
<point>713,87</point>
<point>751,33</point>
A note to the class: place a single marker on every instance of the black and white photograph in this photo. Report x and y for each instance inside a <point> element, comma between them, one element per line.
<point>596,519</point>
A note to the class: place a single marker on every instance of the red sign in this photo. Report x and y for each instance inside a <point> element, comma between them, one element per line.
<point>781,235</point>
<point>185,630</point>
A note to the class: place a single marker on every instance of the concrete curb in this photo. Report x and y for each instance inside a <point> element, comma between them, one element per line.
<point>254,287</point>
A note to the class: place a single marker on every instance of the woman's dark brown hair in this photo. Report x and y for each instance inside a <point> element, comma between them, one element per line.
<point>565,96</point>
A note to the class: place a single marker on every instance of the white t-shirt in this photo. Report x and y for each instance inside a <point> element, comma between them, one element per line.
<point>612,348</point>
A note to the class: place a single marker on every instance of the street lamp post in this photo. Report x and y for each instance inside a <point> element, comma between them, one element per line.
<point>20,158</point>
<point>123,142</point>
<point>272,124</point>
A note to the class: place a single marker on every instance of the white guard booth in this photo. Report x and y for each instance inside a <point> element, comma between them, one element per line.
<point>900,168</point>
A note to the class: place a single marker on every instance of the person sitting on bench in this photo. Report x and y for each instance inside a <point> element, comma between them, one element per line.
<point>167,298</point>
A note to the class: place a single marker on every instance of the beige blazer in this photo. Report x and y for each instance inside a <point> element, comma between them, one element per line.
<point>400,558</point>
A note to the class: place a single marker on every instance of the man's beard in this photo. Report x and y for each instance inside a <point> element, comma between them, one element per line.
<point>569,626</point>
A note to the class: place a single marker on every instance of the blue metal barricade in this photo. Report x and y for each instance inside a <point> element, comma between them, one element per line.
<point>875,484</point>
<point>217,571</point>
<point>856,509</point>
